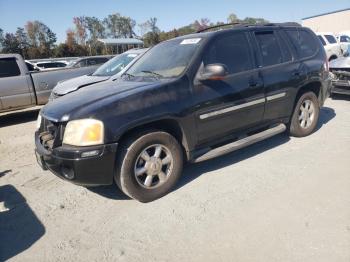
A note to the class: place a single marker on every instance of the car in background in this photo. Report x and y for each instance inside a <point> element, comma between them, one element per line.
<point>89,61</point>
<point>46,66</point>
<point>330,44</point>
<point>344,41</point>
<point>340,68</point>
<point>31,67</point>
<point>22,87</point>
<point>111,70</point>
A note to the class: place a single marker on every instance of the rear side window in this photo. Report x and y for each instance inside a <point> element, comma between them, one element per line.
<point>232,51</point>
<point>322,40</point>
<point>304,42</point>
<point>9,67</point>
<point>270,49</point>
<point>331,39</point>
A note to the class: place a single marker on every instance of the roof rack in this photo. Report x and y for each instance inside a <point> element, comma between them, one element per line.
<point>248,25</point>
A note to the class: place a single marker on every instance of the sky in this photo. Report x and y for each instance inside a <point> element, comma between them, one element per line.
<point>58,15</point>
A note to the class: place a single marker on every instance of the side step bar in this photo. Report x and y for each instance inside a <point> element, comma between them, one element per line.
<point>249,140</point>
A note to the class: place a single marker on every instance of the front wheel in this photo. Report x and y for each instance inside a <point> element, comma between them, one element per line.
<point>149,165</point>
<point>305,116</point>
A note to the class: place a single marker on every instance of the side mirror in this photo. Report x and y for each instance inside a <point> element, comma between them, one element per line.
<point>213,72</point>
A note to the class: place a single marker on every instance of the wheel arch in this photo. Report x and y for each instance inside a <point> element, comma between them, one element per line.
<point>169,125</point>
<point>313,86</point>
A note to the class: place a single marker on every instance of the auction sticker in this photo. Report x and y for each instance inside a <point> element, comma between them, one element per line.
<point>190,41</point>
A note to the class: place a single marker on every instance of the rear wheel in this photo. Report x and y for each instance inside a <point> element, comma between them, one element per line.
<point>305,116</point>
<point>149,165</point>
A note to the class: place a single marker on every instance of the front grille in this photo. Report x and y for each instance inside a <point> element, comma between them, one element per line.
<point>51,134</point>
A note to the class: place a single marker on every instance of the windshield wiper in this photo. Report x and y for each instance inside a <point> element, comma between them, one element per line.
<point>128,75</point>
<point>152,73</point>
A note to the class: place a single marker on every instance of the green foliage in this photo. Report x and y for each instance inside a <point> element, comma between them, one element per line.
<point>1,39</point>
<point>119,26</point>
<point>10,44</point>
<point>36,40</point>
<point>152,37</point>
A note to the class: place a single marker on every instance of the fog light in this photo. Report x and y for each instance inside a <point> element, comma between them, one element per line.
<point>67,172</point>
<point>90,153</point>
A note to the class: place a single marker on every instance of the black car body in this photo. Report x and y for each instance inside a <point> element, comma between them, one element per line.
<point>267,69</point>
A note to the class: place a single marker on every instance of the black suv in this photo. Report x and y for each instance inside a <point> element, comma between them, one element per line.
<point>187,99</point>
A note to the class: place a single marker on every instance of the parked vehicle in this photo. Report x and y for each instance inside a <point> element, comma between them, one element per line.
<point>31,67</point>
<point>331,45</point>
<point>344,40</point>
<point>191,98</point>
<point>340,68</point>
<point>20,88</point>
<point>46,66</point>
<point>110,70</point>
<point>89,61</point>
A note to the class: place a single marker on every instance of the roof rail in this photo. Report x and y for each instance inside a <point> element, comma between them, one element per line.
<point>249,24</point>
<point>221,25</point>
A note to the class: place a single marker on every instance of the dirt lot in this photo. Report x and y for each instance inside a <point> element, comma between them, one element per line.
<point>284,199</point>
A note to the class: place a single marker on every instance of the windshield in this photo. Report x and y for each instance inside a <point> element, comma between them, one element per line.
<point>115,65</point>
<point>165,60</point>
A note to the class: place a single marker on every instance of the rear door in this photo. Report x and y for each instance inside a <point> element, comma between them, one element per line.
<point>280,71</point>
<point>235,102</point>
<point>15,85</point>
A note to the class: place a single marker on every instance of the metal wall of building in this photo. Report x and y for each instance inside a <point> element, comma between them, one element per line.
<point>332,22</point>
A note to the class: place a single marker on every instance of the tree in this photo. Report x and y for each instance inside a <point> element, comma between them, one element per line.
<point>80,29</point>
<point>232,18</point>
<point>1,38</point>
<point>95,27</point>
<point>40,38</point>
<point>10,44</point>
<point>252,20</point>
<point>119,26</point>
<point>152,37</point>
<point>203,23</point>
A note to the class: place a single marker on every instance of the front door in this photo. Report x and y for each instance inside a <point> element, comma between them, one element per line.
<point>235,102</point>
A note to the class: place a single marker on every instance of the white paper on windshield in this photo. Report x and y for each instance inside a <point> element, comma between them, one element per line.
<point>190,41</point>
<point>132,55</point>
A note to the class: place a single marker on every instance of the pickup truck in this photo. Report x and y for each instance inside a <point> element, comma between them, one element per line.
<point>187,99</point>
<point>21,88</point>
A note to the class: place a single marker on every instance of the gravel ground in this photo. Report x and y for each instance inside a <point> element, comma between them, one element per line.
<point>283,199</point>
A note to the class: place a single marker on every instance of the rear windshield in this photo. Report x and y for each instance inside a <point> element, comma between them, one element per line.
<point>9,67</point>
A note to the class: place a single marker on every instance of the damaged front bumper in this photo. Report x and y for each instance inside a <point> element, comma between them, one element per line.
<point>89,166</point>
<point>340,81</point>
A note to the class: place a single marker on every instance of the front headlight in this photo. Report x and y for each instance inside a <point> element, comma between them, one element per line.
<point>84,132</point>
<point>38,122</point>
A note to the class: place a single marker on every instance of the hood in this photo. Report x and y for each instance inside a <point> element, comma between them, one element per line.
<point>342,62</point>
<point>86,102</point>
<point>68,86</point>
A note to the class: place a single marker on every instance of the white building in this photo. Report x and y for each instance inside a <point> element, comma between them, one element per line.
<point>335,22</point>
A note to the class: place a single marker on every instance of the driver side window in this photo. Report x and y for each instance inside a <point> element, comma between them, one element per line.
<point>232,51</point>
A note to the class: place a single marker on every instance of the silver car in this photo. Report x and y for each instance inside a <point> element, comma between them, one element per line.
<point>111,70</point>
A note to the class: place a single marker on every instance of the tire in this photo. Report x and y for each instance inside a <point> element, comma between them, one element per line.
<point>305,116</point>
<point>147,180</point>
